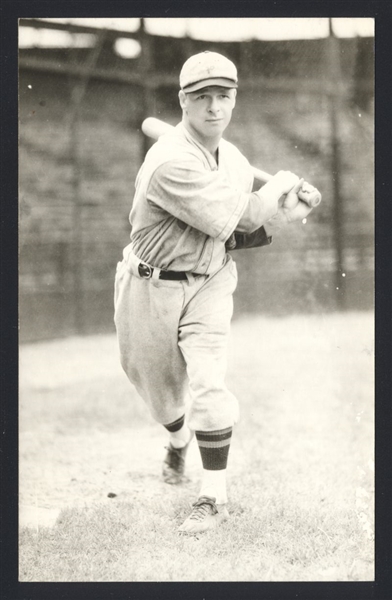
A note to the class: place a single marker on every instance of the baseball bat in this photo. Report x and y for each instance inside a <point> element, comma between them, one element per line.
<point>154,128</point>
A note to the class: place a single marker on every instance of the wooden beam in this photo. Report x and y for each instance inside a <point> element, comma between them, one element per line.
<point>73,28</point>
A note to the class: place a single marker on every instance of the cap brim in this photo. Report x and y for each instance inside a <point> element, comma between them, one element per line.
<point>221,82</point>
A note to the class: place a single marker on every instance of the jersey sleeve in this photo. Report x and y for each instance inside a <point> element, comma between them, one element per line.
<point>200,198</point>
<point>260,208</point>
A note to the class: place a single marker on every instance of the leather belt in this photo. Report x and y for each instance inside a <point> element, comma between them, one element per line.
<point>146,272</point>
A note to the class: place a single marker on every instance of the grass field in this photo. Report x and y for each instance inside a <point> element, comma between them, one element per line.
<point>300,465</point>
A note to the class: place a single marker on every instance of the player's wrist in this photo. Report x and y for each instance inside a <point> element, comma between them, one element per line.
<point>267,204</point>
<point>279,220</point>
<point>270,193</point>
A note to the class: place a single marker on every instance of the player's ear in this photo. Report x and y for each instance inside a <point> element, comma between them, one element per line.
<point>234,96</point>
<point>182,99</point>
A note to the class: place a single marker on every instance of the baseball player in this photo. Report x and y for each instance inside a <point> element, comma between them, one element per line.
<point>174,287</point>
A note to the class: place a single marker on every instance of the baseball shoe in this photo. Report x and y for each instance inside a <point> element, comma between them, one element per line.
<point>174,465</point>
<point>205,515</point>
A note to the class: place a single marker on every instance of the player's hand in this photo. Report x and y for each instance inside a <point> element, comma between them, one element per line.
<point>309,194</point>
<point>293,207</point>
<point>291,199</point>
<point>286,180</point>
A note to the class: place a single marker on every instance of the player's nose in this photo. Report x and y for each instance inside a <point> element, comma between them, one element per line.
<point>214,105</point>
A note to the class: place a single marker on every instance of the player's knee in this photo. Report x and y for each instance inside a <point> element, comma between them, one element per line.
<point>130,370</point>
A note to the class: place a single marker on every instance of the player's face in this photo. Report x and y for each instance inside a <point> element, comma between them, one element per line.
<point>207,112</point>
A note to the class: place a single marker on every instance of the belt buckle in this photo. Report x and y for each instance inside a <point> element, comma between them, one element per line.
<point>145,271</point>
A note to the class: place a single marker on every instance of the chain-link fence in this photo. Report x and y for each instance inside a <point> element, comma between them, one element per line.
<point>305,106</point>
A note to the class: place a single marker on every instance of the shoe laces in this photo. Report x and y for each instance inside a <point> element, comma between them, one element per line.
<point>202,508</point>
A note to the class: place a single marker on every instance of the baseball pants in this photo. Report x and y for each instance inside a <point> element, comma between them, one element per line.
<point>173,340</point>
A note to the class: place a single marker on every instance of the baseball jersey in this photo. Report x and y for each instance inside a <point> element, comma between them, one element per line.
<point>187,204</point>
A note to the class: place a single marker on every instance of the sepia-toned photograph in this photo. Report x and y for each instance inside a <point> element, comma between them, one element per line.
<point>196,299</point>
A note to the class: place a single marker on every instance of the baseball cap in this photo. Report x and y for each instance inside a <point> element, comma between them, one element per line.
<point>207,68</point>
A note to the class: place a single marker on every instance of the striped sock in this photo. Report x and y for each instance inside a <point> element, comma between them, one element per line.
<point>214,448</point>
<point>176,425</point>
<point>180,434</point>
